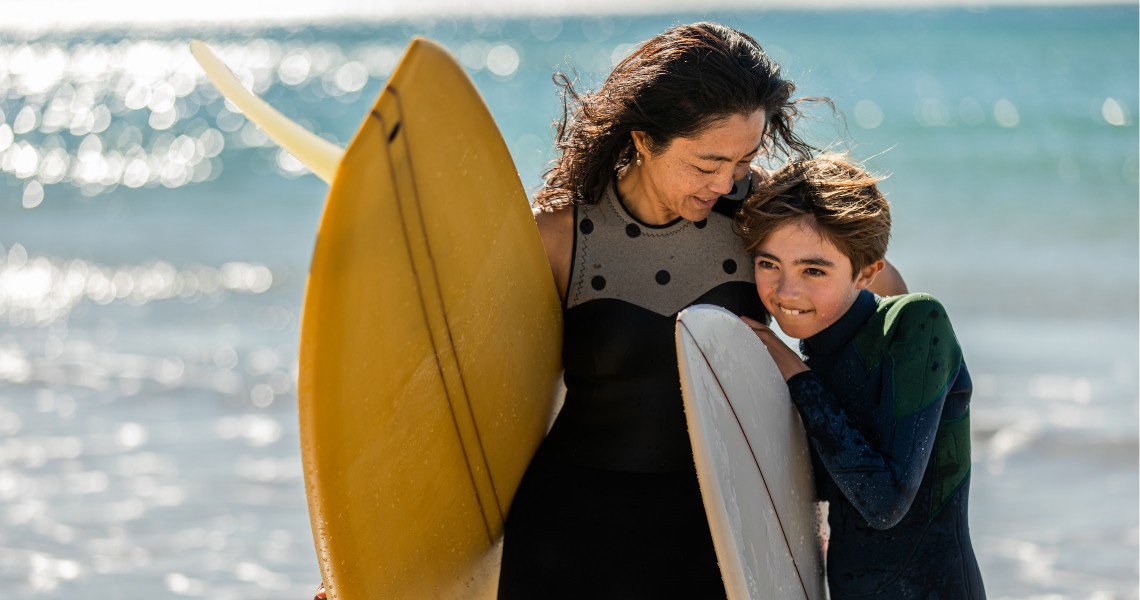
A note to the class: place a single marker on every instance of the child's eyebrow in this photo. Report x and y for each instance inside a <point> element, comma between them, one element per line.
<point>718,157</point>
<point>814,261</point>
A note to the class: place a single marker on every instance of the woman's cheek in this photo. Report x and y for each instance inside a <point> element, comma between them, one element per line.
<point>690,184</point>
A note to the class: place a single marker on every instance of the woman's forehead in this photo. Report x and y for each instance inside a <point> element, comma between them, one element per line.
<point>728,138</point>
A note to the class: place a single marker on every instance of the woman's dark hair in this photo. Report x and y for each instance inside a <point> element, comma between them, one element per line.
<point>676,84</point>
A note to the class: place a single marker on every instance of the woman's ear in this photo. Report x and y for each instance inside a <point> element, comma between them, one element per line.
<point>867,274</point>
<point>640,142</point>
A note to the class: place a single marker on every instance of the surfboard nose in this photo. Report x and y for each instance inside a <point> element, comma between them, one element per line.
<point>318,154</point>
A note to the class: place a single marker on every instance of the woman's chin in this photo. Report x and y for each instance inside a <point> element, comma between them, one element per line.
<point>695,210</point>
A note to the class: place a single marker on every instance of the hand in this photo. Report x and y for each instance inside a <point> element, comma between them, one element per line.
<point>786,359</point>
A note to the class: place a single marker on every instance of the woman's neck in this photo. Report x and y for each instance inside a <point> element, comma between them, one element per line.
<point>642,199</point>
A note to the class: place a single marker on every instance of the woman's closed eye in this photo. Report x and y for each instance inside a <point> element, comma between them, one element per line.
<point>705,171</point>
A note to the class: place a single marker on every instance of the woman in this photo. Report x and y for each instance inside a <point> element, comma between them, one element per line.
<point>636,230</point>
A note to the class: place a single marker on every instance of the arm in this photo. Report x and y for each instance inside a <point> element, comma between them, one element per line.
<point>888,282</point>
<point>557,232</point>
<point>880,486</point>
<point>920,363</point>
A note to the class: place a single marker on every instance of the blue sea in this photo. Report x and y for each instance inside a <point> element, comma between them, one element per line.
<point>154,247</point>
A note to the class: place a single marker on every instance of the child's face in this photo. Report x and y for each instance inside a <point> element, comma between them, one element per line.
<point>805,281</point>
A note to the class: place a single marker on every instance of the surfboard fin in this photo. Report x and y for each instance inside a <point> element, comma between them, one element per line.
<point>318,154</point>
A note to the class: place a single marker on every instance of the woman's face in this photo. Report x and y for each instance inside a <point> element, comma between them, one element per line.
<point>688,175</point>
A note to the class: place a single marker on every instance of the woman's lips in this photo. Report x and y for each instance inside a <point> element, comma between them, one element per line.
<point>704,203</point>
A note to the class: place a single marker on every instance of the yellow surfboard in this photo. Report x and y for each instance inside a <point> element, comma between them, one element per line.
<point>430,344</point>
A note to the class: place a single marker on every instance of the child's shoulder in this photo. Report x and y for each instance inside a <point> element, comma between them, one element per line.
<point>914,333</point>
<point>909,310</point>
<point>905,319</point>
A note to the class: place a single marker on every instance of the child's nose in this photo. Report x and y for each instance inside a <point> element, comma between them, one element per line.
<point>787,289</point>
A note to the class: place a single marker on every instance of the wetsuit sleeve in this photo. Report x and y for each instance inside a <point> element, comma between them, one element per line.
<point>920,360</point>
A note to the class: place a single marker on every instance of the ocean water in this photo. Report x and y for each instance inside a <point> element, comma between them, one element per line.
<point>154,248</point>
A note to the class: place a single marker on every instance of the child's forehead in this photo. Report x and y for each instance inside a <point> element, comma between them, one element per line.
<point>800,233</point>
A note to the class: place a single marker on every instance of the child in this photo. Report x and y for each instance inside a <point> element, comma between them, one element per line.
<point>884,394</point>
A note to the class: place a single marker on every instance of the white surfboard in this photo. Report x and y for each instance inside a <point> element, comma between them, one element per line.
<point>752,459</point>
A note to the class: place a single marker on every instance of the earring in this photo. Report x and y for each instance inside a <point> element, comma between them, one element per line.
<point>638,161</point>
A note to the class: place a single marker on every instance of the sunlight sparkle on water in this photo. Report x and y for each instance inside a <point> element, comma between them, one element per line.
<point>37,290</point>
<point>1114,112</point>
<point>160,122</point>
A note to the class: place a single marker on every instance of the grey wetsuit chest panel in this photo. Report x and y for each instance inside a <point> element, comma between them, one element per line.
<point>659,268</point>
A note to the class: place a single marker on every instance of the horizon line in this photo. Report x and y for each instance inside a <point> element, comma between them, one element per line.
<point>65,16</point>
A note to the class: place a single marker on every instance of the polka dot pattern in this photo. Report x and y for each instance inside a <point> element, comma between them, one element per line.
<point>658,268</point>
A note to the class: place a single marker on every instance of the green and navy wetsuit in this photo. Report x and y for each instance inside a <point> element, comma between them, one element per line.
<point>886,406</point>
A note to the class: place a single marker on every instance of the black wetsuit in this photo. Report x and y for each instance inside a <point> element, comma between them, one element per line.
<point>886,406</point>
<point>610,506</point>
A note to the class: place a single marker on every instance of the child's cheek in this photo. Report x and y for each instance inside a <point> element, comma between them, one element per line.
<point>763,289</point>
<point>835,306</point>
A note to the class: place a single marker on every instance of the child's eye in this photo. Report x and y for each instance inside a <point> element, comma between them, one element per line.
<point>814,272</point>
<point>763,264</point>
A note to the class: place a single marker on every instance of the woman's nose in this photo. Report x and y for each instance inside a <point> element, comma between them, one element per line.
<point>722,182</point>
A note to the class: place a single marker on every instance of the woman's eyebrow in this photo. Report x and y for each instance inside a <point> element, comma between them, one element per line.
<point>719,157</point>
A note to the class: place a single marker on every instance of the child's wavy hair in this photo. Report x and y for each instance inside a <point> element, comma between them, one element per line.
<point>833,195</point>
